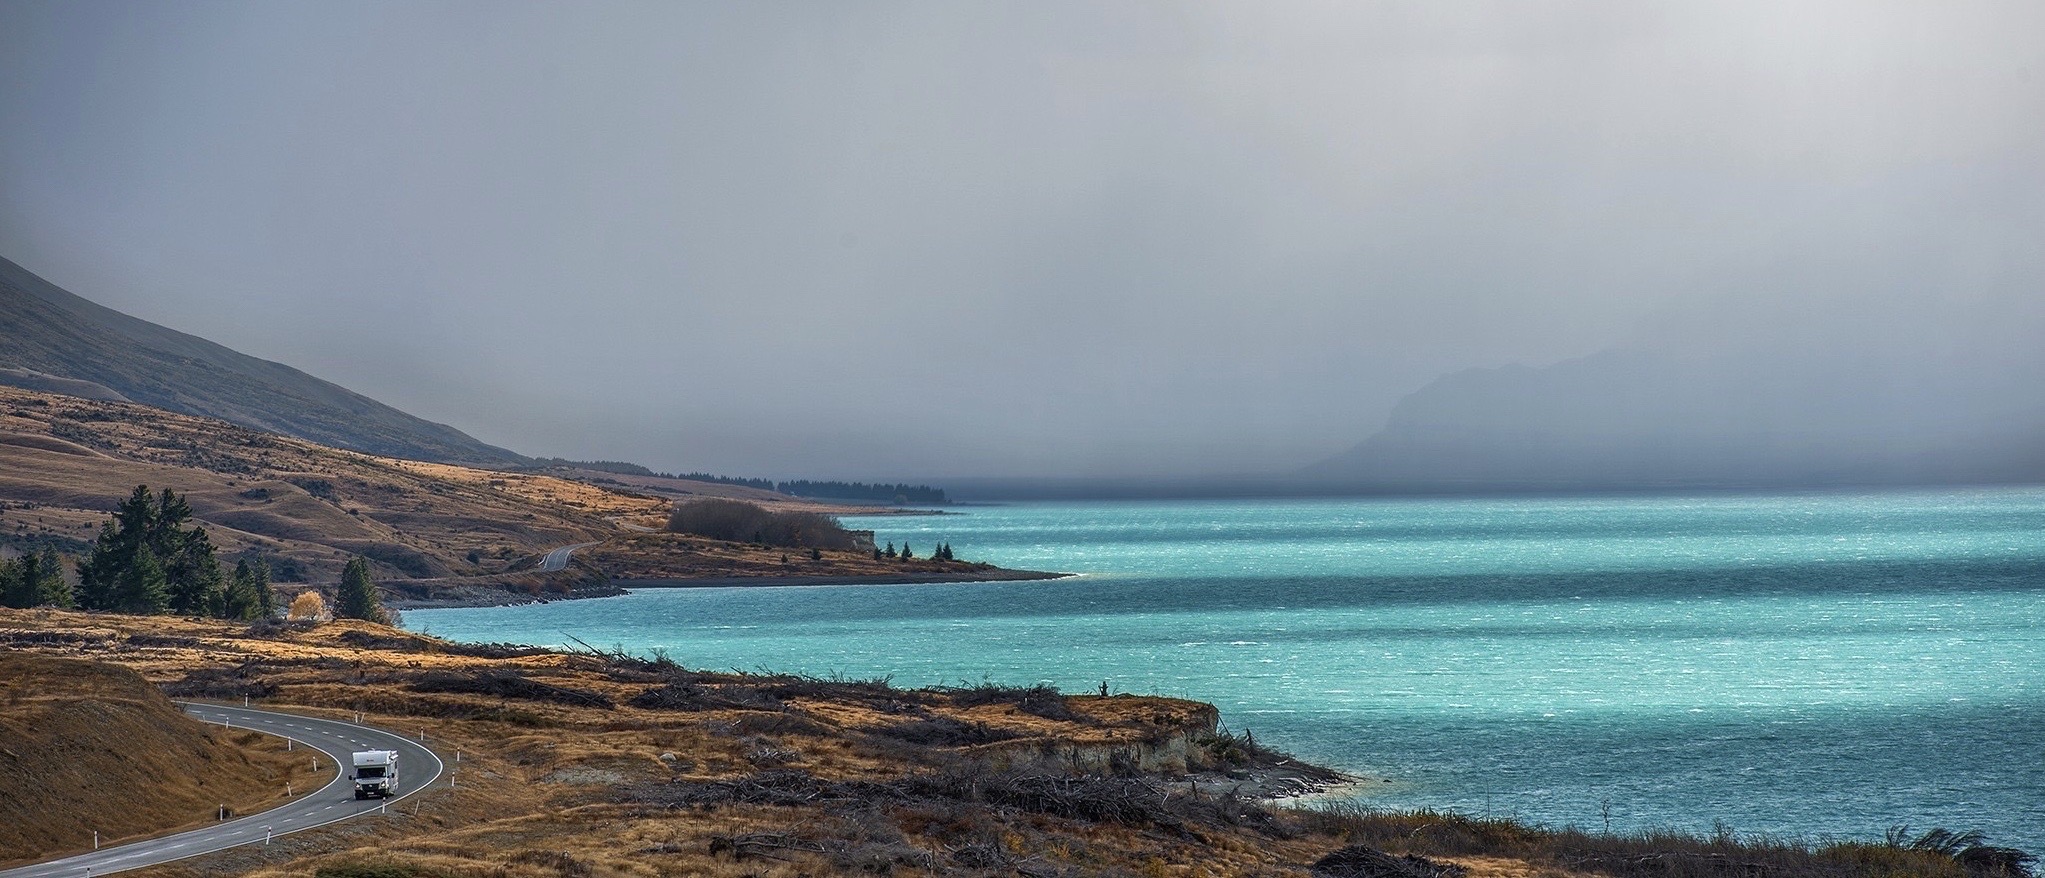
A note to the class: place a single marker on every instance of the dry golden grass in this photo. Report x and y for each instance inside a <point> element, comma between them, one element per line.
<point>66,462</point>
<point>127,762</point>
<point>542,489</point>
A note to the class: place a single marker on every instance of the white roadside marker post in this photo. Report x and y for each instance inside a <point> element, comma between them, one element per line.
<point>95,839</point>
<point>266,836</point>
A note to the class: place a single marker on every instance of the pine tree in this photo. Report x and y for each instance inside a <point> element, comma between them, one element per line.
<point>165,532</point>
<point>102,573</point>
<point>15,589</point>
<point>35,580</point>
<point>142,588</point>
<point>906,553</point>
<point>356,598</point>
<point>891,550</point>
<point>259,581</point>
<point>51,588</point>
<point>240,600</point>
<point>183,572</point>
<point>192,571</point>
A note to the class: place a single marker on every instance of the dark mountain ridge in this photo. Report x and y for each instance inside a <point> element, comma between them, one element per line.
<point>49,336</point>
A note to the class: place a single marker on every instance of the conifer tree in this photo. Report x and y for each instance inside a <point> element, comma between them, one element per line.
<point>102,573</point>
<point>165,531</point>
<point>191,570</point>
<point>891,550</point>
<point>259,582</point>
<point>35,580</point>
<point>15,589</point>
<point>906,553</point>
<point>51,588</point>
<point>141,587</point>
<point>356,598</point>
<point>240,600</point>
<point>182,572</point>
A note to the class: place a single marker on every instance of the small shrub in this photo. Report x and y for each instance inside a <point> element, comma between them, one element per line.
<point>309,607</point>
<point>1039,700</point>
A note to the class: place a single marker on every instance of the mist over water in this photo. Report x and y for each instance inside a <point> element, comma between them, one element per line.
<point>1815,665</point>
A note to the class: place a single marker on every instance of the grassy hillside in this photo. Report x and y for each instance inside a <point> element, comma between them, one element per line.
<point>53,335</point>
<point>92,746</point>
<point>65,462</point>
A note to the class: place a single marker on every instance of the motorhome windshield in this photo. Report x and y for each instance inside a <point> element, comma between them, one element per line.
<point>369,771</point>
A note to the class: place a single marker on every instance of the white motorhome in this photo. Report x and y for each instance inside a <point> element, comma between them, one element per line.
<point>376,773</point>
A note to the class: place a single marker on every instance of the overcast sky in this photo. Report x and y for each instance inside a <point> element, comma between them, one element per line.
<point>872,240</point>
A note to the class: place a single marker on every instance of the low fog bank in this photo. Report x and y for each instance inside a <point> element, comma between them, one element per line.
<point>1912,396</point>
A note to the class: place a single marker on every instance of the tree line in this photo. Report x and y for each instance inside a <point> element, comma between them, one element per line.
<point>941,553</point>
<point>879,492</point>
<point>742,522</point>
<point>34,580</point>
<point>149,558</point>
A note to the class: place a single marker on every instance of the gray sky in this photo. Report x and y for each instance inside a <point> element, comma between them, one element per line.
<point>925,240</point>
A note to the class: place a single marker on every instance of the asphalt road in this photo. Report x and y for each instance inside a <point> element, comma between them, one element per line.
<point>336,741</point>
<point>558,559</point>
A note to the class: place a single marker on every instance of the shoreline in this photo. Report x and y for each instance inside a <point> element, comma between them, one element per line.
<point>994,575</point>
<point>480,596</point>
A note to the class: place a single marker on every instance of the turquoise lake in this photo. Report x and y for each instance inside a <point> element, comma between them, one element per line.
<point>1819,666</point>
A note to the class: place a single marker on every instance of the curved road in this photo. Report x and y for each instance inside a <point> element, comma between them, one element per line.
<point>558,559</point>
<point>336,741</point>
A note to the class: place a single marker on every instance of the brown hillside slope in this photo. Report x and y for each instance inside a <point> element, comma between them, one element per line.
<point>48,334</point>
<point>93,746</point>
<point>65,462</point>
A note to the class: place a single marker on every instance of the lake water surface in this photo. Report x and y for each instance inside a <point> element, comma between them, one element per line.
<point>1820,666</point>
